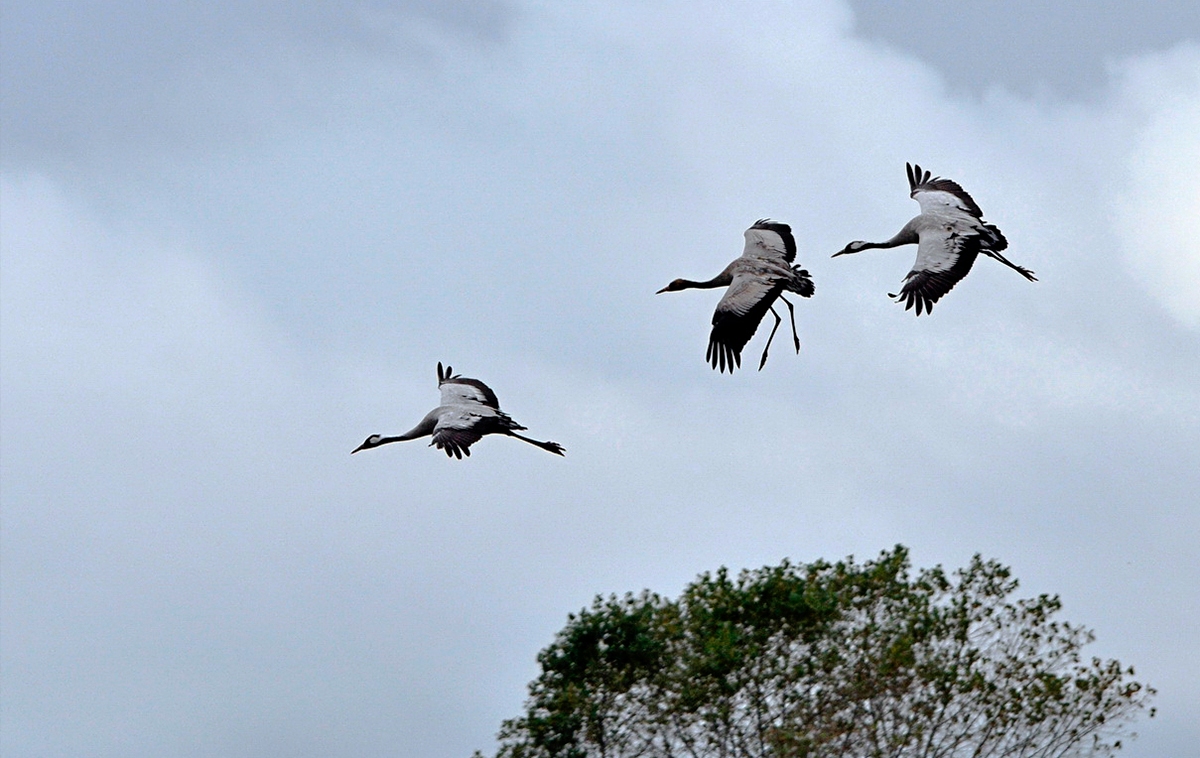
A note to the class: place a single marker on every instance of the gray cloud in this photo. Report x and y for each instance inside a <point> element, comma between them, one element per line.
<point>1064,49</point>
<point>98,84</point>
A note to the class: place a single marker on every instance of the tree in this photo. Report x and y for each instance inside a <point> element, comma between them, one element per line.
<point>825,660</point>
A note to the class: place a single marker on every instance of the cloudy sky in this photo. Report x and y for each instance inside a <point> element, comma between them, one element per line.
<point>237,239</point>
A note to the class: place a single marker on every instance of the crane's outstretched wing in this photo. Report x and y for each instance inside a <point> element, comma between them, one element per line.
<point>770,239</point>
<point>943,259</point>
<point>938,195</point>
<point>457,390</point>
<point>737,317</point>
<point>457,429</point>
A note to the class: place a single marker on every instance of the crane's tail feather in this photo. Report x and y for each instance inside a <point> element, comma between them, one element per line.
<point>802,283</point>
<point>994,239</point>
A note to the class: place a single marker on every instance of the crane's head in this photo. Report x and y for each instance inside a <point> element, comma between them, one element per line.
<point>373,441</point>
<point>853,247</point>
<point>675,286</point>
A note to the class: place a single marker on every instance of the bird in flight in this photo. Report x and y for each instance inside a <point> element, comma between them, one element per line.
<point>949,233</point>
<point>469,410</point>
<point>754,281</point>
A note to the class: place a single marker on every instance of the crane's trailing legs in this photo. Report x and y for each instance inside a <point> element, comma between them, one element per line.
<point>763,361</point>
<point>778,320</point>
<point>792,316</point>
<point>552,447</point>
<point>1019,269</point>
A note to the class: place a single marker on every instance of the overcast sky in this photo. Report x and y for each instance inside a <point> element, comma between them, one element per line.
<point>237,240</point>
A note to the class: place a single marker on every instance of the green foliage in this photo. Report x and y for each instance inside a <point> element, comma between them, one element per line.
<point>824,660</point>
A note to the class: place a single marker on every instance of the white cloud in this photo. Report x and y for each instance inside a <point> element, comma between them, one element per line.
<point>1158,208</point>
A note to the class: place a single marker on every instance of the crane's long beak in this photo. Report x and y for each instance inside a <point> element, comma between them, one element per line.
<point>363,446</point>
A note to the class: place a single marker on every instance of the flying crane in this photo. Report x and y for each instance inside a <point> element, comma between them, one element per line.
<point>469,410</point>
<point>949,233</point>
<point>754,281</point>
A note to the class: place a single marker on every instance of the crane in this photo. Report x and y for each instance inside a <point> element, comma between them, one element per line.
<point>469,410</point>
<point>949,233</point>
<point>761,274</point>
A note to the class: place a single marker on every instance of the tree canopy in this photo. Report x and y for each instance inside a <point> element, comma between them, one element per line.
<point>823,660</point>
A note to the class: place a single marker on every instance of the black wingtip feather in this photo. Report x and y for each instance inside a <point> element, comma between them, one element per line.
<point>722,357</point>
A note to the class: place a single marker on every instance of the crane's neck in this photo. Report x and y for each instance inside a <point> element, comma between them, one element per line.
<point>398,438</point>
<point>722,279</point>
<point>717,281</point>
<point>906,236</point>
<point>423,429</point>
